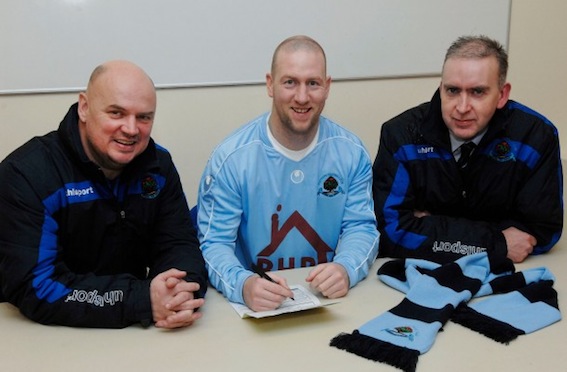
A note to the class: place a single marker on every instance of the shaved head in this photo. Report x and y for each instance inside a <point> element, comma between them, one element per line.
<point>295,43</point>
<point>118,67</point>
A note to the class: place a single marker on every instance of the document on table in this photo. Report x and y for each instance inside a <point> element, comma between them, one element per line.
<point>303,300</point>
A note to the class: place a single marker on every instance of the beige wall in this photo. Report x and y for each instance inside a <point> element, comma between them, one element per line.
<point>538,59</point>
<point>190,122</point>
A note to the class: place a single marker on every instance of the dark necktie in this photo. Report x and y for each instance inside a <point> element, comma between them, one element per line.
<point>466,150</point>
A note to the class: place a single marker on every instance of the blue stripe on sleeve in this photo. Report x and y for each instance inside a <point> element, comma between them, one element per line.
<point>399,188</point>
<point>45,287</point>
<point>516,105</point>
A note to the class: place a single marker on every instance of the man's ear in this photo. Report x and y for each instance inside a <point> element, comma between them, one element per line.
<point>504,95</point>
<point>83,106</point>
<point>270,85</point>
<point>328,86</point>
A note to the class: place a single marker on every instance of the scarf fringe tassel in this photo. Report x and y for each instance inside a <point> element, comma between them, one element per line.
<point>377,350</point>
<point>489,327</point>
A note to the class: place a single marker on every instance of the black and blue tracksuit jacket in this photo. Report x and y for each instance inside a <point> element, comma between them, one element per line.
<point>78,250</point>
<point>514,178</point>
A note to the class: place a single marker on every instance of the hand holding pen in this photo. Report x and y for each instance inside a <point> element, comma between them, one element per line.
<point>263,274</point>
<point>263,293</point>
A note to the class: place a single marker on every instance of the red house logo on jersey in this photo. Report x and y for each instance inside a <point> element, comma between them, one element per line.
<point>278,235</point>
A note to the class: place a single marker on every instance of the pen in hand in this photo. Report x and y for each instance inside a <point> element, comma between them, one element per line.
<point>263,274</point>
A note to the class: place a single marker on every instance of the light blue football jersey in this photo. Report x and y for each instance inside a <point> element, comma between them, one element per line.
<point>258,206</point>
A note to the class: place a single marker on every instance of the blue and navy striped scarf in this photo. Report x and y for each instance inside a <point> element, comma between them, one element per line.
<point>522,302</point>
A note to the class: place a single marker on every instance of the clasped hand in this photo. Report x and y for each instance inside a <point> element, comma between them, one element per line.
<point>173,302</point>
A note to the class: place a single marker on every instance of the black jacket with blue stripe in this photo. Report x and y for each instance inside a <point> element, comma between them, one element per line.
<point>514,178</point>
<point>78,250</point>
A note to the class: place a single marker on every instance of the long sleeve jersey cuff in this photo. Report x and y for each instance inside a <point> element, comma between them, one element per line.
<point>139,305</point>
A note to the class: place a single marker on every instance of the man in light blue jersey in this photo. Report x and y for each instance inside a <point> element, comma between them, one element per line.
<point>289,189</point>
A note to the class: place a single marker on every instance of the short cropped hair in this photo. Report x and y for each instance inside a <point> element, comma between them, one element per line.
<point>480,47</point>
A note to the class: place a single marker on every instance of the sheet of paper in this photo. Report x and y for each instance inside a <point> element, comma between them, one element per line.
<point>303,300</point>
